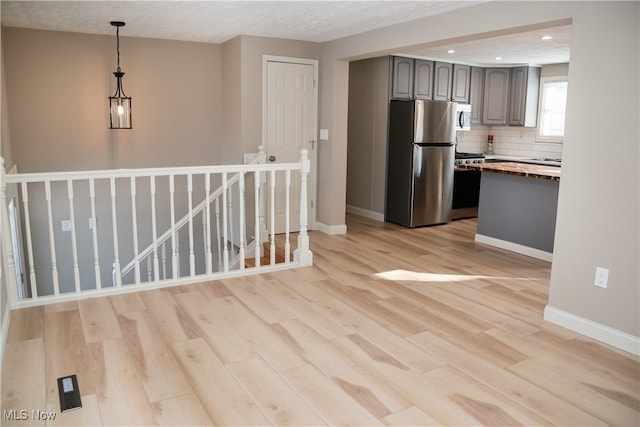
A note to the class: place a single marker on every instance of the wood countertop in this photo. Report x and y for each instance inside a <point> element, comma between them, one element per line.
<point>513,168</point>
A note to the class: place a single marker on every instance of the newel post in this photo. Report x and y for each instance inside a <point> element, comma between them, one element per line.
<point>8,262</point>
<point>302,254</point>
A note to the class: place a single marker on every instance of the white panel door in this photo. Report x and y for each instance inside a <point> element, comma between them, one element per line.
<point>291,125</point>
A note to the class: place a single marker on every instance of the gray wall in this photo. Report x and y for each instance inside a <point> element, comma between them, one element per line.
<point>57,89</point>
<point>367,134</point>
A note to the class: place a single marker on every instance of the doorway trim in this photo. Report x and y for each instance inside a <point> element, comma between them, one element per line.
<point>312,186</point>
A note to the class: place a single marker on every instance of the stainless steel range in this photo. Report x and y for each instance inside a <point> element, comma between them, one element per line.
<point>466,186</point>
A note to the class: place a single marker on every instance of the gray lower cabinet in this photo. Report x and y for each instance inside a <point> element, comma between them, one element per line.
<point>496,96</point>
<point>402,78</point>
<point>476,94</point>
<point>443,78</point>
<point>461,83</point>
<point>423,79</point>
<point>523,96</point>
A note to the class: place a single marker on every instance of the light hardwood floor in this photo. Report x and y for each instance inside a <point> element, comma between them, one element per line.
<point>391,326</point>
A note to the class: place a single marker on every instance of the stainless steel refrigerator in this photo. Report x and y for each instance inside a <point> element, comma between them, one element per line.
<point>420,162</point>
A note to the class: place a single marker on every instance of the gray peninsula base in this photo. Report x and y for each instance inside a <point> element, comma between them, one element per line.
<point>518,213</point>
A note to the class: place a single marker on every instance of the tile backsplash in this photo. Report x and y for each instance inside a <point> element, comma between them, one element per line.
<point>507,141</point>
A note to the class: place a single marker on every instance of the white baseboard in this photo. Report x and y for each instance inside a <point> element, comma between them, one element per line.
<point>331,229</point>
<point>5,332</point>
<point>591,329</point>
<point>515,247</point>
<point>376,216</point>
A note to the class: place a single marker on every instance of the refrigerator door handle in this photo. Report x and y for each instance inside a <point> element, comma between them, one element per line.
<point>417,161</point>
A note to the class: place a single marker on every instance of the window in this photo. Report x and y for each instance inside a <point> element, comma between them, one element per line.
<point>551,111</point>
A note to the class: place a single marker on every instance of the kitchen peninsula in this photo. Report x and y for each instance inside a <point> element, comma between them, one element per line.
<point>517,208</point>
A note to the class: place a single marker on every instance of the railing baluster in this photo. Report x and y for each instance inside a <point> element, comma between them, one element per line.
<point>272,249</point>
<point>256,202</point>
<point>74,243</point>
<point>154,229</point>
<point>150,276</point>
<point>207,225</point>
<point>94,233</point>
<point>52,243</point>
<point>178,253</point>
<point>134,223</point>
<point>174,244</point>
<point>242,217</point>
<point>117,277</point>
<point>225,257</point>
<point>264,234</point>
<point>192,257</point>
<point>164,261</point>
<point>287,245</point>
<point>230,218</point>
<point>204,236</point>
<point>218,236</point>
<point>27,226</point>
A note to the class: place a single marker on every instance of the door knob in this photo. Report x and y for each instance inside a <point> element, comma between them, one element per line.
<point>272,158</point>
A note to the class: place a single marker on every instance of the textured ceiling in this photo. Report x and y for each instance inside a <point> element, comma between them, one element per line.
<point>317,21</point>
<point>218,21</point>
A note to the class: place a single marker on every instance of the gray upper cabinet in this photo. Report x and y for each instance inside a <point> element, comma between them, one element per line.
<point>423,74</point>
<point>402,78</point>
<point>443,77</point>
<point>461,83</point>
<point>523,96</point>
<point>475,94</point>
<point>496,96</point>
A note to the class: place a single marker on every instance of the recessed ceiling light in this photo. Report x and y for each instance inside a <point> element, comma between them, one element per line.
<point>498,58</point>
<point>451,51</point>
<point>546,37</point>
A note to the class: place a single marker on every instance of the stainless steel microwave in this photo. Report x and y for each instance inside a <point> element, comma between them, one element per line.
<point>463,117</point>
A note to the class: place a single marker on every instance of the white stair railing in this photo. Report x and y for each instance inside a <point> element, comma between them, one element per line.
<point>125,211</point>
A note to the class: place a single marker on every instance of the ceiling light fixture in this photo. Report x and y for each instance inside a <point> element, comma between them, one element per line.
<point>451,51</point>
<point>119,103</point>
<point>498,58</point>
<point>546,37</point>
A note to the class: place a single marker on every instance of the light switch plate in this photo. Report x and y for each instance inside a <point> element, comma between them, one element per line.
<point>324,134</point>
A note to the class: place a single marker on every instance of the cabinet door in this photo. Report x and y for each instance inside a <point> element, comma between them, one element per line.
<point>523,96</point>
<point>442,81</point>
<point>496,96</point>
<point>461,83</point>
<point>517,96</point>
<point>475,94</point>
<point>402,83</point>
<point>423,87</point>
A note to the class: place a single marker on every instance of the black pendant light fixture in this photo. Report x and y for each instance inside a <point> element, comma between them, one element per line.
<point>119,103</point>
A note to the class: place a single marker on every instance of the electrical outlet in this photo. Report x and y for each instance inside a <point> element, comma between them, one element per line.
<point>602,276</point>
